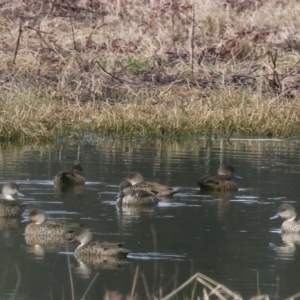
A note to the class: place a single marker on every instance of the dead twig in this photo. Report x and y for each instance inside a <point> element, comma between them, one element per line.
<point>275,81</point>
<point>151,21</point>
<point>215,288</point>
<point>192,39</point>
<point>18,42</point>
<point>111,75</point>
<point>73,35</point>
<point>39,32</point>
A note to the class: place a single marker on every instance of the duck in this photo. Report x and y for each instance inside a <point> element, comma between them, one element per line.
<point>288,213</point>
<point>8,206</point>
<point>70,178</point>
<point>159,190</point>
<point>129,196</point>
<point>88,248</point>
<point>223,181</point>
<point>40,226</point>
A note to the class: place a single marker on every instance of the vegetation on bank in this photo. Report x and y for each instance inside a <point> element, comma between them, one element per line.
<point>149,68</point>
<point>38,118</point>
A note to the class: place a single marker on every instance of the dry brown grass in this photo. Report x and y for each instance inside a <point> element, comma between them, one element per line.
<point>149,68</point>
<point>221,114</point>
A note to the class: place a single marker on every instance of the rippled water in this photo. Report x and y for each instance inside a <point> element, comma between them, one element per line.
<point>226,237</point>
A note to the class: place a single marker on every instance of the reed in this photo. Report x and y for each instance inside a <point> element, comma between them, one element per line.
<point>131,68</point>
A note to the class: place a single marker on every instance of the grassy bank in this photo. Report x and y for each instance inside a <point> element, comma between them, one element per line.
<point>37,118</point>
<point>152,68</point>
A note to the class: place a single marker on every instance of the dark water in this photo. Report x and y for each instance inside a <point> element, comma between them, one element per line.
<point>229,238</point>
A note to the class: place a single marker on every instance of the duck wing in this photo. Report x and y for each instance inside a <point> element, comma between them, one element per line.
<point>213,181</point>
<point>157,188</point>
<point>146,197</point>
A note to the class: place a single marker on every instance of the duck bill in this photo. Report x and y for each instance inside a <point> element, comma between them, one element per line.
<point>237,176</point>
<point>120,195</point>
<point>20,194</point>
<point>275,217</point>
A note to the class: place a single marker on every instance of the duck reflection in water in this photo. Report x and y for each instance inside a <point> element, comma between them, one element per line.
<point>87,264</point>
<point>70,180</point>
<point>222,199</point>
<point>223,181</point>
<point>129,214</point>
<point>40,244</point>
<point>7,228</point>
<point>290,231</point>
<point>9,223</point>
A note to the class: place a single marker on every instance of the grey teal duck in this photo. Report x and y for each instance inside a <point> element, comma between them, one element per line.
<point>88,248</point>
<point>223,181</point>
<point>70,178</point>
<point>288,213</point>
<point>129,196</point>
<point>40,226</point>
<point>159,190</point>
<point>8,206</point>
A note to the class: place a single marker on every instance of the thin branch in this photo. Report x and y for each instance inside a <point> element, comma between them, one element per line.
<point>102,68</point>
<point>73,35</point>
<point>152,19</point>
<point>18,43</point>
<point>39,32</point>
<point>192,39</point>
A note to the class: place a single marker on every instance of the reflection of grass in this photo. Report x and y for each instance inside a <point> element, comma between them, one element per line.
<point>5,274</point>
<point>257,282</point>
<point>90,285</point>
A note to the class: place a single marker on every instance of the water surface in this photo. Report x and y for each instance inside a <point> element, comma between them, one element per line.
<point>226,237</point>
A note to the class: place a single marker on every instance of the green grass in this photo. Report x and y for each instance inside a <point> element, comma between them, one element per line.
<point>35,117</point>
